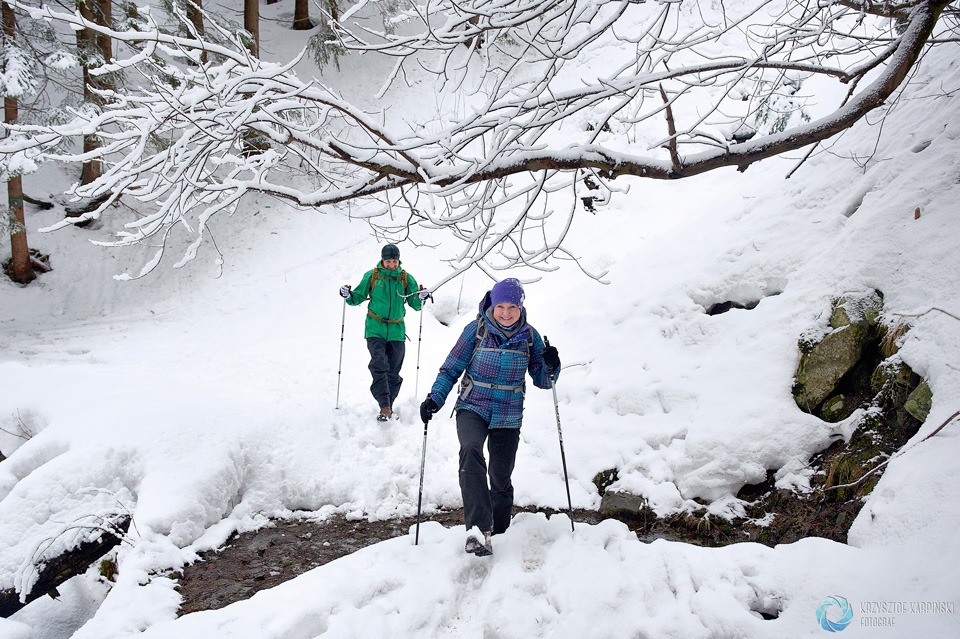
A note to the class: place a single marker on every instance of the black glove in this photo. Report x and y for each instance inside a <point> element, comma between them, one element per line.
<point>345,291</point>
<point>427,409</point>
<point>551,358</point>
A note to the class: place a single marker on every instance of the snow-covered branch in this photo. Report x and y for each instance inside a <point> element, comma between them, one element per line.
<point>549,93</point>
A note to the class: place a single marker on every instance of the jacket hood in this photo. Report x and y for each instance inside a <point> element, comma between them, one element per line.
<point>485,303</point>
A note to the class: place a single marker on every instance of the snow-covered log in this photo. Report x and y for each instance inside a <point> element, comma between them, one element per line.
<point>92,544</point>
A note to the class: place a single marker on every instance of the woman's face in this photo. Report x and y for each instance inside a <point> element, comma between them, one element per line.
<point>506,313</point>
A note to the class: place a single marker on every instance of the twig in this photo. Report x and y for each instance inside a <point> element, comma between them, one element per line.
<point>672,131</point>
<point>802,160</point>
<point>929,310</point>
<point>24,431</point>
<point>880,466</point>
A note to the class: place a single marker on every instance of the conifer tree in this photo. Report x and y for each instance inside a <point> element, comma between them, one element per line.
<point>17,81</point>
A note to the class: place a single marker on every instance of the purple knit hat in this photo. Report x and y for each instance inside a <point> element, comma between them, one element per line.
<point>509,291</point>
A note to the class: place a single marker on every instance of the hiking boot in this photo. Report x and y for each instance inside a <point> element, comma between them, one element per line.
<point>382,418</point>
<point>385,414</point>
<point>479,548</point>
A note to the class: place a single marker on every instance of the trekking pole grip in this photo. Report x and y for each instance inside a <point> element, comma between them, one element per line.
<point>546,343</point>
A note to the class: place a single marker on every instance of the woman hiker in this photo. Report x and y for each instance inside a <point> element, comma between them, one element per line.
<point>388,287</point>
<point>494,353</point>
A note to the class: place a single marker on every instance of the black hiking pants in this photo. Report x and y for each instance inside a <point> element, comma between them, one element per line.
<point>486,506</point>
<point>386,359</point>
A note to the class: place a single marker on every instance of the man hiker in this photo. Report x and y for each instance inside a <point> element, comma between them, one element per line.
<point>388,287</point>
<point>494,353</point>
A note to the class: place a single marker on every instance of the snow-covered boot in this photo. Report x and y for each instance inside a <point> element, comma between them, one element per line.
<point>479,548</point>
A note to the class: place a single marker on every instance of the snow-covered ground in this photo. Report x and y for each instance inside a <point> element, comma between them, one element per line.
<point>205,404</point>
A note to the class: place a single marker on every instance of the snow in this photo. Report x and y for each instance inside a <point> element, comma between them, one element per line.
<point>203,401</point>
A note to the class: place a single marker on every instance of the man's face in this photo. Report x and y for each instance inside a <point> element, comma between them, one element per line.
<point>391,265</point>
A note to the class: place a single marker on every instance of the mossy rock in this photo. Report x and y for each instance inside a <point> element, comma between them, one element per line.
<point>826,363</point>
<point>862,308</point>
<point>855,321</point>
<point>919,402</point>
<point>892,382</point>
<point>833,409</point>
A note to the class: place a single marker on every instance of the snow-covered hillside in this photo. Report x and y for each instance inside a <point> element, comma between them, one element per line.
<point>205,403</point>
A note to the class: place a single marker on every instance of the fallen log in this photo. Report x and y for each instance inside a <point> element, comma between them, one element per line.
<point>85,205</point>
<point>43,205</point>
<point>52,572</point>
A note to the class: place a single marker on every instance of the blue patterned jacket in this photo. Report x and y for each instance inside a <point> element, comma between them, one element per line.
<point>500,361</point>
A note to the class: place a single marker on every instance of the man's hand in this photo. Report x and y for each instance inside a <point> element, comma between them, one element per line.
<point>425,295</point>
<point>345,291</point>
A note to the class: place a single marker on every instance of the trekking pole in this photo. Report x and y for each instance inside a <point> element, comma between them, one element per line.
<point>563,457</point>
<point>343,323</point>
<point>423,461</point>
<point>416,382</point>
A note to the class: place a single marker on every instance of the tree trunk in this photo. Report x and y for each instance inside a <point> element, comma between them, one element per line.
<point>301,15</point>
<point>71,563</point>
<point>21,271</point>
<point>251,22</point>
<point>89,44</point>
<point>251,143</point>
<point>104,9</point>
<point>196,19</point>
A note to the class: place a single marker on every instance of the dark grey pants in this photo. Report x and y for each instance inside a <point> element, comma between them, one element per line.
<point>488,507</point>
<point>386,359</point>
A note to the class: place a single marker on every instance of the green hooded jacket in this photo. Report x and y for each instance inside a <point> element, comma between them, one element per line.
<point>386,303</point>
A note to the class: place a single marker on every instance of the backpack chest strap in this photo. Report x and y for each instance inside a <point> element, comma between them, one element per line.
<point>467,383</point>
<point>519,388</point>
<point>502,350</point>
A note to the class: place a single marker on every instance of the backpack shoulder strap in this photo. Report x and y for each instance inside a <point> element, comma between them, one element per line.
<point>481,334</point>
<point>376,275</point>
<point>466,382</point>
